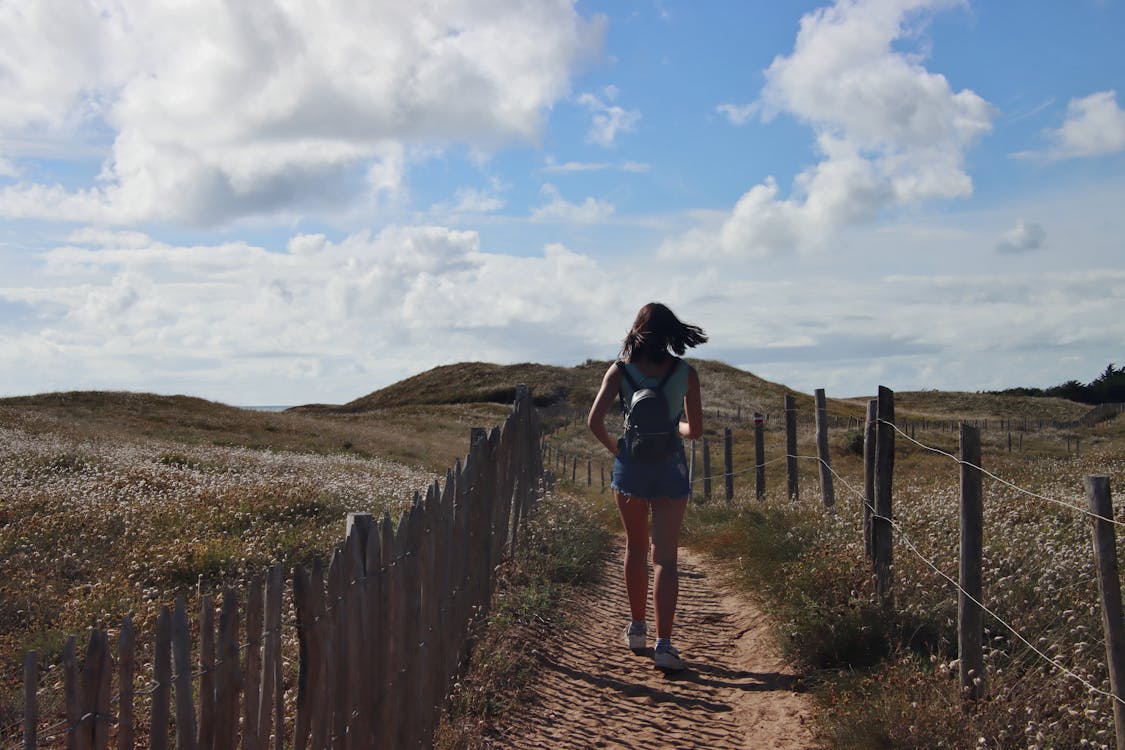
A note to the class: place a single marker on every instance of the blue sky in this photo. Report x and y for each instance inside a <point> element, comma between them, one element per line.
<point>265,203</point>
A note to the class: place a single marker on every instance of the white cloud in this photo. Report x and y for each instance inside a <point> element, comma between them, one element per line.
<point>575,166</point>
<point>362,311</point>
<point>219,110</point>
<point>8,169</point>
<point>738,114</point>
<point>1024,237</point>
<point>568,167</point>
<point>609,120</point>
<point>890,132</point>
<point>470,201</point>
<point>557,208</point>
<point>1094,126</point>
<point>329,320</point>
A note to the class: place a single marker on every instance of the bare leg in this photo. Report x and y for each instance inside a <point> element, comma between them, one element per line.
<point>634,515</point>
<point>667,517</point>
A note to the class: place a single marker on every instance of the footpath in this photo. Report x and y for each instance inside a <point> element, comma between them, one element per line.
<point>593,692</point>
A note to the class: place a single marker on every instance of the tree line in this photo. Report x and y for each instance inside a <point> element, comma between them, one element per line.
<point>1107,388</point>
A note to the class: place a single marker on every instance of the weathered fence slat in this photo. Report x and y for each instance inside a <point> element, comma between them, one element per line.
<point>70,689</point>
<point>251,698</point>
<point>270,696</point>
<point>205,739</point>
<point>228,675</point>
<point>162,675</point>
<point>306,619</point>
<point>378,645</point>
<point>30,700</point>
<point>181,652</point>
<point>337,679</point>
<point>102,697</point>
<point>126,690</point>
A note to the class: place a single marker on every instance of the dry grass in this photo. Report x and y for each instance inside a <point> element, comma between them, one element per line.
<point>114,502</point>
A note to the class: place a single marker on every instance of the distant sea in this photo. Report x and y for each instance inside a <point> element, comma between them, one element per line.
<point>266,408</point>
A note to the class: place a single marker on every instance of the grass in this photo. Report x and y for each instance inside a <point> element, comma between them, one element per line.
<point>888,679</point>
<point>114,502</point>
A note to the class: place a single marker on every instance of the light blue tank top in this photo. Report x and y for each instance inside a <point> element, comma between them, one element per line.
<point>674,390</point>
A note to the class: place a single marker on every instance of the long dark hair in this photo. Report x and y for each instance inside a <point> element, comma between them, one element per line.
<point>655,331</point>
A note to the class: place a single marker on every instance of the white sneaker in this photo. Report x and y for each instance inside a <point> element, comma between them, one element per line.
<point>635,639</point>
<point>667,658</point>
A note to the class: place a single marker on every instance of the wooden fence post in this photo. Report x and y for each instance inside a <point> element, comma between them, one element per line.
<point>728,458</point>
<point>827,493</point>
<point>1109,584</point>
<point>882,540</point>
<point>706,469</point>
<point>869,474</point>
<point>970,616</point>
<point>759,457</point>
<point>791,446</point>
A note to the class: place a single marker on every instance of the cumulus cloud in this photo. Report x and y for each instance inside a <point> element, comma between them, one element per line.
<point>331,319</point>
<point>1024,237</point>
<point>361,311</point>
<point>1094,126</point>
<point>609,120</point>
<point>889,132</point>
<point>557,208</point>
<point>222,110</point>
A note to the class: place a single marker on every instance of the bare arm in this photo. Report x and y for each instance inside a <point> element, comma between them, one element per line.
<point>611,384</point>
<point>692,427</point>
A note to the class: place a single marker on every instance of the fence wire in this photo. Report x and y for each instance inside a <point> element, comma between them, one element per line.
<point>1063,669</point>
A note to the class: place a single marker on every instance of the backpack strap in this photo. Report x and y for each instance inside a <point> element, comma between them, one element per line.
<point>621,389</point>
<point>676,362</point>
<point>625,372</point>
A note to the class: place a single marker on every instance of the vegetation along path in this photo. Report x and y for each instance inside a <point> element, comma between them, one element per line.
<point>593,692</point>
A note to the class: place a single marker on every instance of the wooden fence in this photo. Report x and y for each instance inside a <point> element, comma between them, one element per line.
<point>381,636</point>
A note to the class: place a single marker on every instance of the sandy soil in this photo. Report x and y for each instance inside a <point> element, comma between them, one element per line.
<point>593,692</point>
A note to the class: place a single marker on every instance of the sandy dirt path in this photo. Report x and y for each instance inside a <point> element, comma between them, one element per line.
<point>593,692</point>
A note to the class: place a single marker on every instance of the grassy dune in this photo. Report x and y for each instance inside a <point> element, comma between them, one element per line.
<point>113,503</point>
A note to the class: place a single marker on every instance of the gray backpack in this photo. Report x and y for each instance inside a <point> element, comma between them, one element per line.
<point>651,433</point>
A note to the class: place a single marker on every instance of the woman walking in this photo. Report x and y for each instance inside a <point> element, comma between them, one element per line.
<point>650,469</point>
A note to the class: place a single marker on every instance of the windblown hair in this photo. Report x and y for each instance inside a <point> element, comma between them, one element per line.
<point>656,331</point>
